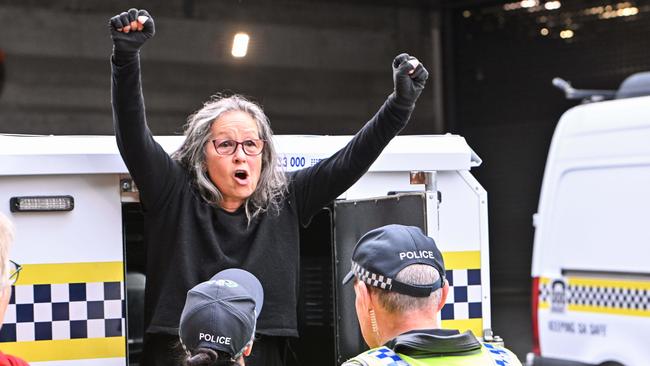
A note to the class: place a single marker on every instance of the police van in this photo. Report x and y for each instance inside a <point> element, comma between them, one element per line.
<point>79,297</point>
<point>591,257</point>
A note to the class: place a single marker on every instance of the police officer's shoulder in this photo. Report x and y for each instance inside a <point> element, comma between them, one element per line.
<point>501,355</point>
<point>354,362</point>
<point>375,357</point>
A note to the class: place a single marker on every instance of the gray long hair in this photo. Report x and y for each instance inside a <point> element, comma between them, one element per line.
<point>191,155</point>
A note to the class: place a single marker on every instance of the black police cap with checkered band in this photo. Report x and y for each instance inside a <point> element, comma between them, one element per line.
<point>383,252</point>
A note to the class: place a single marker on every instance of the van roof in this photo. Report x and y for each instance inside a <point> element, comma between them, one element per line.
<point>581,127</point>
<point>598,117</point>
<point>37,155</point>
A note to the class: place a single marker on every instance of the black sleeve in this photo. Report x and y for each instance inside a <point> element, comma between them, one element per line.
<point>318,185</point>
<point>150,166</point>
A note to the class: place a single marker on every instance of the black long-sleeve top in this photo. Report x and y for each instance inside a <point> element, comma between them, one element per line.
<point>189,240</point>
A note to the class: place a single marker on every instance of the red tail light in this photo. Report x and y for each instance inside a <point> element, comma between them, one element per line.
<point>534,297</point>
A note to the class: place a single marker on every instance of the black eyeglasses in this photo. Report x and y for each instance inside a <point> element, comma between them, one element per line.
<point>14,272</point>
<point>252,147</point>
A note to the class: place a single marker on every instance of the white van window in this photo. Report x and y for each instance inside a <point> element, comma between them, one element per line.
<point>600,220</point>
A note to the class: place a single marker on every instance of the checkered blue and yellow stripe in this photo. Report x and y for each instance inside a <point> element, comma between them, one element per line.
<point>66,311</point>
<point>463,309</point>
<point>382,356</point>
<point>598,295</point>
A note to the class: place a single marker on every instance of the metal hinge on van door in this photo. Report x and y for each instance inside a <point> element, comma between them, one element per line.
<point>128,190</point>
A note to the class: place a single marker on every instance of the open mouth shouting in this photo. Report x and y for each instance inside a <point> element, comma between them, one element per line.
<point>241,176</point>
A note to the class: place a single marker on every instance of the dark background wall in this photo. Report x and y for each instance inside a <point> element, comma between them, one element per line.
<point>323,67</point>
<point>500,98</point>
<point>317,67</point>
<point>505,106</point>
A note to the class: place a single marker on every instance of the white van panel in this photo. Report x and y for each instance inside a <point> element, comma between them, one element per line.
<point>592,136</point>
<point>594,338</point>
<point>73,273</point>
<point>68,305</point>
<point>63,237</point>
<point>599,220</point>
<point>592,237</point>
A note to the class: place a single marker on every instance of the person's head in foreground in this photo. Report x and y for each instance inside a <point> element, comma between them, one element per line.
<point>8,276</point>
<point>399,282</point>
<point>6,266</point>
<point>218,321</point>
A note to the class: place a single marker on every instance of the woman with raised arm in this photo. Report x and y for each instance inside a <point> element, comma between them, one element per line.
<point>220,201</point>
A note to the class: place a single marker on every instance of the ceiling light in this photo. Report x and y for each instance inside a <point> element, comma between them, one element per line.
<point>240,45</point>
<point>567,33</point>
<point>552,5</point>
<point>626,12</point>
<point>528,3</point>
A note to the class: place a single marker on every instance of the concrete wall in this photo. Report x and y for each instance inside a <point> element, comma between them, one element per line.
<point>317,67</point>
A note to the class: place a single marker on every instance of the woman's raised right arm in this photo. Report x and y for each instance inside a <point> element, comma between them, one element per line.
<point>149,165</point>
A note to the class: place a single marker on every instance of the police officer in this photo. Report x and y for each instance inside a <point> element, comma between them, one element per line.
<point>218,322</point>
<point>400,286</point>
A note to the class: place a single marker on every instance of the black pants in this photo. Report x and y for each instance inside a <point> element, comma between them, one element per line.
<point>165,350</point>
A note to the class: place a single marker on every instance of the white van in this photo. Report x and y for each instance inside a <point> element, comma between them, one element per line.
<point>79,298</point>
<point>591,257</point>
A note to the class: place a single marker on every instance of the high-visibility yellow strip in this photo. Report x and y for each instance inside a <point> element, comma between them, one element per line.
<point>608,310</point>
<point>543,305</point>
<point>603,282</point>
<point>69,349</point>
<point>475,325</point>
<point>51,273</point>
<point>462,260</point>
